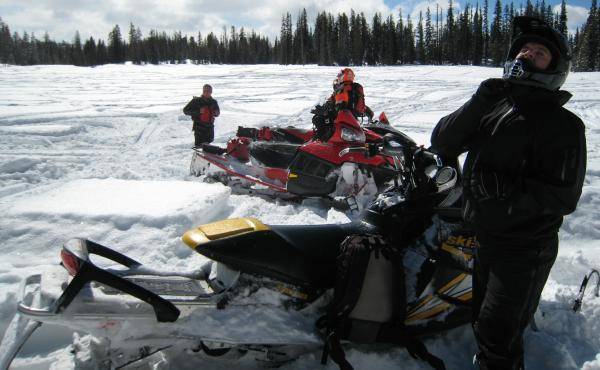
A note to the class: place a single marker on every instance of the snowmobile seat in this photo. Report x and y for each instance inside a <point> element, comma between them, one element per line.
<point>270,154</point>
<point>319,242</point>
<point>300,255</point>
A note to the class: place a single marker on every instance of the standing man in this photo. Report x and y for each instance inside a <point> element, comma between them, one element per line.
<point>524,171</point>
<point>203,111</point>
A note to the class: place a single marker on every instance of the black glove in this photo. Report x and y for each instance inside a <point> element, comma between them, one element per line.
<point>492,90</point>
<point>487,185</point>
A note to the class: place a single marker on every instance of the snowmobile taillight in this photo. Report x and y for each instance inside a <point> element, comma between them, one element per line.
<point>70,262</point>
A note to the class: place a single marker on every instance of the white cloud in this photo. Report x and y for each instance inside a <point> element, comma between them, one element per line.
<point>61,18</point>
<point>576,16</point>
<point>442,5</point>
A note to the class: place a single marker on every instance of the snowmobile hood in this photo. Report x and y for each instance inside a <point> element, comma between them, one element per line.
<point>221,229</point>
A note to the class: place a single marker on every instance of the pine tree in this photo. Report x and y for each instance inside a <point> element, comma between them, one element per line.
<point>562,25</point>
<point>496,36</point>
<point>6,45</point>
<point>400,35</point>
<point>302,39</point>
<point>429,42</point>
<point>77,50</point>
<point>135,44</point>
<point>421,58</point>
<point>486,33</point>
<point>449,35</point>
<point>463,36</point>
<point>116,48</point>
<point>101,53</point>
<point>89,52</point>
<point>589,38</point>
<point>376,45</point>
<point>477,38</point>
<point>343,40</point>
<point>389,53</point>
<point>356,39</point>
<point>365,33</point>
<point>286,50</point>
<point>409,41</point>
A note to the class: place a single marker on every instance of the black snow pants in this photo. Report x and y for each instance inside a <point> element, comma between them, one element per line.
<point>507,283</point>
<point>204,133</point>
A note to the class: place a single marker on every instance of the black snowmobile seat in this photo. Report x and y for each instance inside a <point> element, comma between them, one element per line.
<point>302,255</point>
<point>270,154</point>
<point>319,242</point>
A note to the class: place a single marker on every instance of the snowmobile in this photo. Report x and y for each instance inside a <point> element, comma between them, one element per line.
<point>263,286</point>
<point>332,165</point>
<point>374,131</point>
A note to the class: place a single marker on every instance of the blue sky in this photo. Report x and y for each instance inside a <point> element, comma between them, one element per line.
<point>61,18</point>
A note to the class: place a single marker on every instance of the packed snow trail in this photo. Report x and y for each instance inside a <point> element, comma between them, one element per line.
<point>103,153</point>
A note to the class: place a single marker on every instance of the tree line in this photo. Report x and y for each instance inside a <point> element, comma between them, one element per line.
<point>477,36</point>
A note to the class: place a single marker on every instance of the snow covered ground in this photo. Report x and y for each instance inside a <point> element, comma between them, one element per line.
<point>103,153</point>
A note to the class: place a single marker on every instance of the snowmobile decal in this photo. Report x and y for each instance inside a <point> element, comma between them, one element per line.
<point>229,167</point>
<point>463,241</point>
<point>455,251</point>
<point>458,288</point>
<point>221,229</point>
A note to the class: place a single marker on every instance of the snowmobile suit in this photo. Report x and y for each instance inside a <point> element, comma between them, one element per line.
<point>203,112</point>
<point>535,150</point>
<point>349,96</point>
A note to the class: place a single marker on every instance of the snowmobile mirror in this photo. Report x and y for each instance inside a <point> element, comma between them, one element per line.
<point>445,178</point>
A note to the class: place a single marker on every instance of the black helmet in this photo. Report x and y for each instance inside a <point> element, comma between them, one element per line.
<point>528,29</point>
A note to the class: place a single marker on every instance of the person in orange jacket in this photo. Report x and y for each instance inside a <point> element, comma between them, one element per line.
<point>203,111</point>
<point>348,94</point>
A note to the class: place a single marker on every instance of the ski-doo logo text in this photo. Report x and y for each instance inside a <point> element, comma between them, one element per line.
<point>461,241</point>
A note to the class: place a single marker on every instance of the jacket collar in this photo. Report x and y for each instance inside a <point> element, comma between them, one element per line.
<point>529,96</point>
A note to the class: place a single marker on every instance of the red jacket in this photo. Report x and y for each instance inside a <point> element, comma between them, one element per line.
<point>202,110</point>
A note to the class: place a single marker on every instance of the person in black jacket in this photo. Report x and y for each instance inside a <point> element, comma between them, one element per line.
<point>523,172</point>
<point>203,111</point>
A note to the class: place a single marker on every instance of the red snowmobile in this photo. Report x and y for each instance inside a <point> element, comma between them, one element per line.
<point>374,131</point>
<point>332,164</point>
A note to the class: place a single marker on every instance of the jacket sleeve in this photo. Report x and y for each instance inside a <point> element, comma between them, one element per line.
<point>192,108</point>
<point>557,181</point>
<point>215,109</point>
<point>360,100</point>
<point>453,132</point>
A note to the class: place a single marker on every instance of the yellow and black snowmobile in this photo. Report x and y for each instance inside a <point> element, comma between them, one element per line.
<point>270,290</point>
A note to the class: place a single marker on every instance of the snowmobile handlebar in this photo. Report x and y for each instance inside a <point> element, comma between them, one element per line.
<point>417,166</point>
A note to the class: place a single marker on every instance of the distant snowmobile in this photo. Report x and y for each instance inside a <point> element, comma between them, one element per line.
<point>331,163</point>
<point>265,285</point>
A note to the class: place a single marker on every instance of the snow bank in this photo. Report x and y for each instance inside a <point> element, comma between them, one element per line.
<point>125,203</point>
